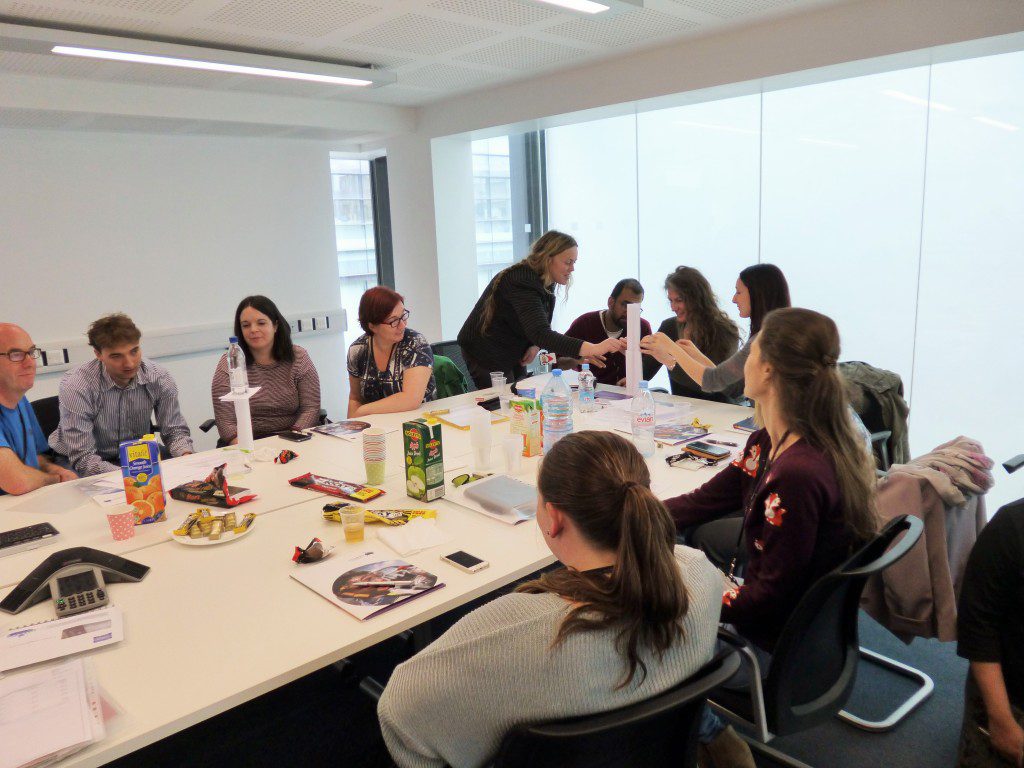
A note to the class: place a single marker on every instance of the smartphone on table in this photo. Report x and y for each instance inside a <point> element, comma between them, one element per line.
<point>295,437</point>
<point>706,450</point>
<point>465,561</point>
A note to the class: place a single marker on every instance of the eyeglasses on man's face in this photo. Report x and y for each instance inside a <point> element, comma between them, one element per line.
<point>394,322</point>
<point>17,355</point>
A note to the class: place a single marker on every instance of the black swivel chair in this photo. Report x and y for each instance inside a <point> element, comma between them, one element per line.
<point>660,732</point>
<point>814,665</point>
<point>453,352</point>
<point>47,411</point>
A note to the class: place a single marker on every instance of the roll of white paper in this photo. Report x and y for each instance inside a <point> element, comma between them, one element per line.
<point>634,369</point>
<point>243,417</point>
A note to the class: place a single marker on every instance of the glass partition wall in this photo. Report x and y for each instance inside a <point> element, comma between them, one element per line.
<point>893,202</point>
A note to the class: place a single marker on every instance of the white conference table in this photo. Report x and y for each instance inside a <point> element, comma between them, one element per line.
<point>237,600</point>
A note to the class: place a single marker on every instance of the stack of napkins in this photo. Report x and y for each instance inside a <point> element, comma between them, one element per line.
<point>415,536</point>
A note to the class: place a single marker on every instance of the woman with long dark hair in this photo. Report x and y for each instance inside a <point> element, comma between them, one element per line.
<point>630,616</point>
<point>698,322</point>
<point>805,482</point>
<point>289,396</point>
<point>759,289</point>
<point>511,321</point>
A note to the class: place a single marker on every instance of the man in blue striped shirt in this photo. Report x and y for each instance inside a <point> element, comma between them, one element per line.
<point>23,467</point>
<point>110,399</point>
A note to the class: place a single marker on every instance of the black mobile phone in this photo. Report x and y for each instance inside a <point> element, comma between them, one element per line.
<point>491,404</point>
<point>700,448</point>
<point>295,437</point>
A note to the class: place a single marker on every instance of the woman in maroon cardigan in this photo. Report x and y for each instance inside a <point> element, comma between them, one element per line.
<point>805,484</point>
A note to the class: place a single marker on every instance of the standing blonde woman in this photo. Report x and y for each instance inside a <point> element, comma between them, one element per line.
<point>512,319</point>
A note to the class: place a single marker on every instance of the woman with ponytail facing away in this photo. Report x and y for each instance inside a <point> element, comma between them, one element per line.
<point>805,484</point>
<point>629,616</point>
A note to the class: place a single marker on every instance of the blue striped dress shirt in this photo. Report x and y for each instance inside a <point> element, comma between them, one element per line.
<point>96,415</point>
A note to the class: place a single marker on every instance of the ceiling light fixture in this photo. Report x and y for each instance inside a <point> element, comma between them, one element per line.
<point>591,7</point>
<point>996,123</point>
<point>213,66</point>
<point>44,40</point>
<point>583,6</point>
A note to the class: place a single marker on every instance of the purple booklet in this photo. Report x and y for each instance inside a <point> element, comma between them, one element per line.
<point>605,395</point>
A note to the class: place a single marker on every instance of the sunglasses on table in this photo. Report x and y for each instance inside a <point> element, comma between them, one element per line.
<point>465,478</point>
<point>679,458</point>
<point>17,355</point>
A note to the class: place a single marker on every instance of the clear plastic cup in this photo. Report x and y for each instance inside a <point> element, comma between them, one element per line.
<point>353,524</point>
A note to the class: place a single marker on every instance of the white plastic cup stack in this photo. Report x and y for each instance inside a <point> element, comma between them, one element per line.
<point>480,439</point>
<point>374,454</point>
<point>500,386</point>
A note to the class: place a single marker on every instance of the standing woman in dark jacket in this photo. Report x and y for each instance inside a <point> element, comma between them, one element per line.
<point>512,319</point>
<point>698,319</point>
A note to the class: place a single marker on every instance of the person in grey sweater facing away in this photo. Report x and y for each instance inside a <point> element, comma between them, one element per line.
<point>630,616</point>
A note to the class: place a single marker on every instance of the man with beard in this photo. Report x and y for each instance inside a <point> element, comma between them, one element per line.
<point>608,323</point>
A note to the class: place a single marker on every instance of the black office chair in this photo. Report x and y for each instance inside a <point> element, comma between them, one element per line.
<point>659,731</point>
<point>814,665</point>
<point>453,352</point>
<point>47,411</point>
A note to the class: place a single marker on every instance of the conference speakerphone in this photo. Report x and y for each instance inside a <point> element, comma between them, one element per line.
<point>76,578</point>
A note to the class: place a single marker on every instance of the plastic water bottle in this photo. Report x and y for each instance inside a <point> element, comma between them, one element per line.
<point>587,397</point>
<point>556,402</point>
<point>642,411</point>
<point>237,374</point>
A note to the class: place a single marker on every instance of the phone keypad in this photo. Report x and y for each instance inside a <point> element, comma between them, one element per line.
<point>68,605</point>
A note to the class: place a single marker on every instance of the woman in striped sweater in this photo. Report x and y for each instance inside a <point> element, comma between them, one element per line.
<point>289,396</point>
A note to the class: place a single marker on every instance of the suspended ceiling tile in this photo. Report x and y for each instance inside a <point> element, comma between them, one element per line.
<point>364,56</point>
<point>423,35</point>
<point>305,18</point>
<point>514,14</point>
<point>627,29</point>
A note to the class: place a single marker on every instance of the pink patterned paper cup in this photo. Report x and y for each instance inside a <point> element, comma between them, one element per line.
<point>122,522</point>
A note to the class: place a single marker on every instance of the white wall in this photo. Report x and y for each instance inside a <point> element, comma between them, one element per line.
<point>173,230</point>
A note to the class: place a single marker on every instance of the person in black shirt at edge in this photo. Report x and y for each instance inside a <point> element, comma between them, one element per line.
<point>511,321</point>
<point>990,627</point>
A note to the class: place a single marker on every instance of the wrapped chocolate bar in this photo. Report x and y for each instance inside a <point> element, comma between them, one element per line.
<point>213,491</point>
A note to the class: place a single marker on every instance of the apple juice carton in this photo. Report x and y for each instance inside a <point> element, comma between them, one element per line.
<point>424,460</point>
<point>143,483</point>
<point>527,420</point>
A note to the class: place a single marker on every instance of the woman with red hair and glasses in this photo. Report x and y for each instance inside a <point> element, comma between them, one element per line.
<point>391,366</point>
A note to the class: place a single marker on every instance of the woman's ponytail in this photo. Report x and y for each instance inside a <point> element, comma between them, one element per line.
<point>644,597</point>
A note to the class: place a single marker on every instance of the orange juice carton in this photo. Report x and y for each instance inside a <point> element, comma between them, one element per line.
<point>143,483</point>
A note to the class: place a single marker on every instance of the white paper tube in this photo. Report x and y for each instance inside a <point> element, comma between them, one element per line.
<point>243,417</point>
<point>634,369</point>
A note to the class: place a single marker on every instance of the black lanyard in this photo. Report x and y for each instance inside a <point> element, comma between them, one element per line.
<point>764,466</point>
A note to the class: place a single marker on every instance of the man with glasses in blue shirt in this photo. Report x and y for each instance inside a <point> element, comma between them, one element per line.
<point>23,467</point>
